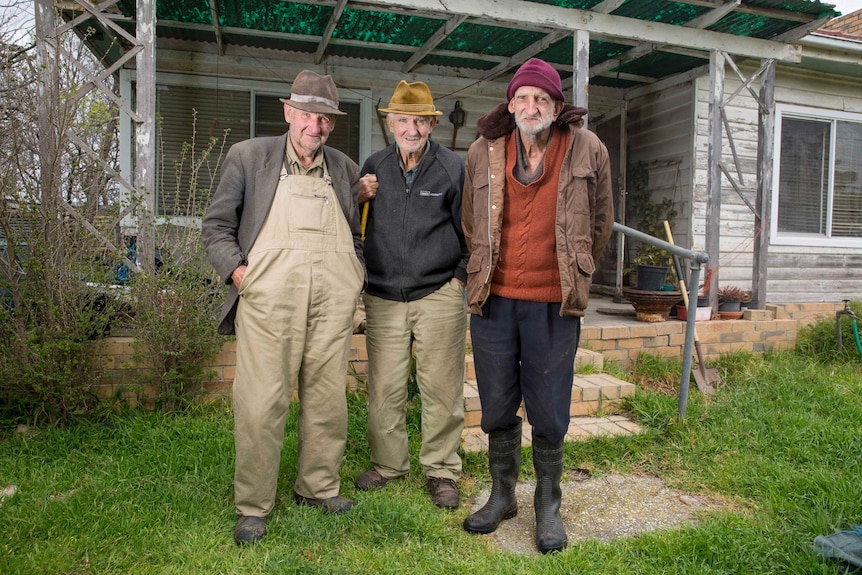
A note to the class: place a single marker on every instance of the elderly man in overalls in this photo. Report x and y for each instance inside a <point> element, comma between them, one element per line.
<point>283,232</point>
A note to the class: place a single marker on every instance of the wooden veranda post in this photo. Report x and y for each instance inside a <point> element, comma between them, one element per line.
<point>48,109</point>
<point>145,134</point>
<point>763,200</point>
<point>713,182</point>
<point>581,70</point>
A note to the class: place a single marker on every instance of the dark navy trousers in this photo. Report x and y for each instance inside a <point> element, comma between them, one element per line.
<point>525,350</point>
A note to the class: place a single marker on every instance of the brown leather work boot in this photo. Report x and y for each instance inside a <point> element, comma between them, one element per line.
<point>444,492</point>
<point>333,505</point>
<point>249,529</point>
<point>371,479</point>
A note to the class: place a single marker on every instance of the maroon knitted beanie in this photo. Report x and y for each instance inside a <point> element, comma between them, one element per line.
<point>538,73</point>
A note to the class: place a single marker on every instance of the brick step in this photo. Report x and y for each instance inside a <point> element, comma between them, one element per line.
<point>591,394</point>
<point>585,360</point>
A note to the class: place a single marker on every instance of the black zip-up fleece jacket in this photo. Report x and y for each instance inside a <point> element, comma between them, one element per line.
<point>413,238</point>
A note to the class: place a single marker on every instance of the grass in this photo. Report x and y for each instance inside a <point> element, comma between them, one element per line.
<point>780,444</point>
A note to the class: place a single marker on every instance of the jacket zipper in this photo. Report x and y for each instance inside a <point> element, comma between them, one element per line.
<point>490,239</point>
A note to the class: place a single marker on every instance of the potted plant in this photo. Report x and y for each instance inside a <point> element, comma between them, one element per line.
<point>731,298</point>
<point>652,263</point>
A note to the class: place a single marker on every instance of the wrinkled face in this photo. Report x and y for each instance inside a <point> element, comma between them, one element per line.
<point>308,131</point>
<point>410,132</point>
<point>534,110</point>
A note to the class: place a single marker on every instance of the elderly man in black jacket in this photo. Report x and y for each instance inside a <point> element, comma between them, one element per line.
<point>416,257</point>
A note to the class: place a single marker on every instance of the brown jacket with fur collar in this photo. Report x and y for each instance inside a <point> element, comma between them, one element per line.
<point>585,209</point>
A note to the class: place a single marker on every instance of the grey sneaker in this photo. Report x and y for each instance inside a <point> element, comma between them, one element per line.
<point>249,529</point>
<point>371,479</point>
<point>444,492</point>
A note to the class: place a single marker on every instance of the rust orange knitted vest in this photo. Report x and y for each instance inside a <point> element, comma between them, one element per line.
<point>528,268</point>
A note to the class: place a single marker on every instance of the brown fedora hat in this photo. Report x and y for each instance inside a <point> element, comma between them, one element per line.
<point>412,99</point>
<point>312,92</point>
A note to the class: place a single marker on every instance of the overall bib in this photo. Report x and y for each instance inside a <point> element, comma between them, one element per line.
<point>293,328</point>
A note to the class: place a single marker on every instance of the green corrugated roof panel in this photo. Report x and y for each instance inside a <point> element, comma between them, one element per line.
<point>664,12</point>
<point>380,28</point>
<point>577,4</point>
<point>480,39</point>
<point>454,62</point>
<point>368,53</point>
<point>295,18</point>
<point>385,27</point>
<point>562,52</point>
<point>609,82</point>
<point>752,25</point>
<point>664,63</point>
<point>815,8</point>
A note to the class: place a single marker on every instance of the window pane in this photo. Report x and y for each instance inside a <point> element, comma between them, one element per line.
<point>269,121</point>
<point>268,116</point>
<point>187,178</point>
<point>804,176</point>
<point>847,203</point>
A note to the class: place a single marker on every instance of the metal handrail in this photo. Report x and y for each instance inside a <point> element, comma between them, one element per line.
<point>697,260</point>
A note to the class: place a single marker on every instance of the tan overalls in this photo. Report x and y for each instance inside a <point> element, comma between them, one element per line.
<point>294,324</point>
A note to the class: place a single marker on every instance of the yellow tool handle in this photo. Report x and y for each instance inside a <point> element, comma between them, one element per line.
<point>682,286</point>
<point>364,219</point>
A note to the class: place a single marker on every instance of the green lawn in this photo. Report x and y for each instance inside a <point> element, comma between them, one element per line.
<point>781,443</point>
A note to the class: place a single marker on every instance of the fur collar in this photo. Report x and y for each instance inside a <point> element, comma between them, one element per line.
<point>499,122</point>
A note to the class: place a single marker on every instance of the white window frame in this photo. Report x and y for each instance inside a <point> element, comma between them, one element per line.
<point>795,238</point>
<point>254,87</point>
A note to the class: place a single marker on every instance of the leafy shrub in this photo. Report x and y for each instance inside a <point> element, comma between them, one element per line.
<point>176,308</point>
<point>820,339</point>
<point>175,334</point>
<point>51,323</point>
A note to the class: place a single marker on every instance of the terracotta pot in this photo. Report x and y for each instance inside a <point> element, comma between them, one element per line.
<point>732,306</point>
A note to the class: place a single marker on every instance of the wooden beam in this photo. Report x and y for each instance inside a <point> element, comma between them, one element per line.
<point>337,11</point>
<point>607,7</point>
<point>525,54</point>
<point>214,14</point>
<point>747,9</point>
<point>441,34</point>
<point>643,49</point>
<point>518,12</point>
<point>796,33</point>
<point>707,19</point>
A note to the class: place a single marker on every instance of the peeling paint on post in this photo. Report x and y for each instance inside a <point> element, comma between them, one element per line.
<point>581,70</point>
<point>713,180</point>
<point>145,149</point>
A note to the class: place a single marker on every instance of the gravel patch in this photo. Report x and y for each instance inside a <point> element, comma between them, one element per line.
<point>604,509</point>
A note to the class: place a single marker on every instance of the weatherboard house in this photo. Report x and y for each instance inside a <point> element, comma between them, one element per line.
<point>746,115</point>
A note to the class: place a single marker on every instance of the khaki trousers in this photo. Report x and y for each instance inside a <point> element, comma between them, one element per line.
<point>293,326</point>
<point>435,327</point>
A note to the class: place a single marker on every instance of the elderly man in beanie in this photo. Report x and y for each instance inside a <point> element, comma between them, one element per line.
<point>537,213</point>
<point>283,230</point>
<point>414,303</point>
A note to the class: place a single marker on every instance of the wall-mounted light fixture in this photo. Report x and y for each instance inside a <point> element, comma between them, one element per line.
<point>458,117</point>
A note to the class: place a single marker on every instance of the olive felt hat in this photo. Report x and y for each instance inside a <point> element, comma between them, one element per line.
<point>312,92</point>
<point>412,99</point>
